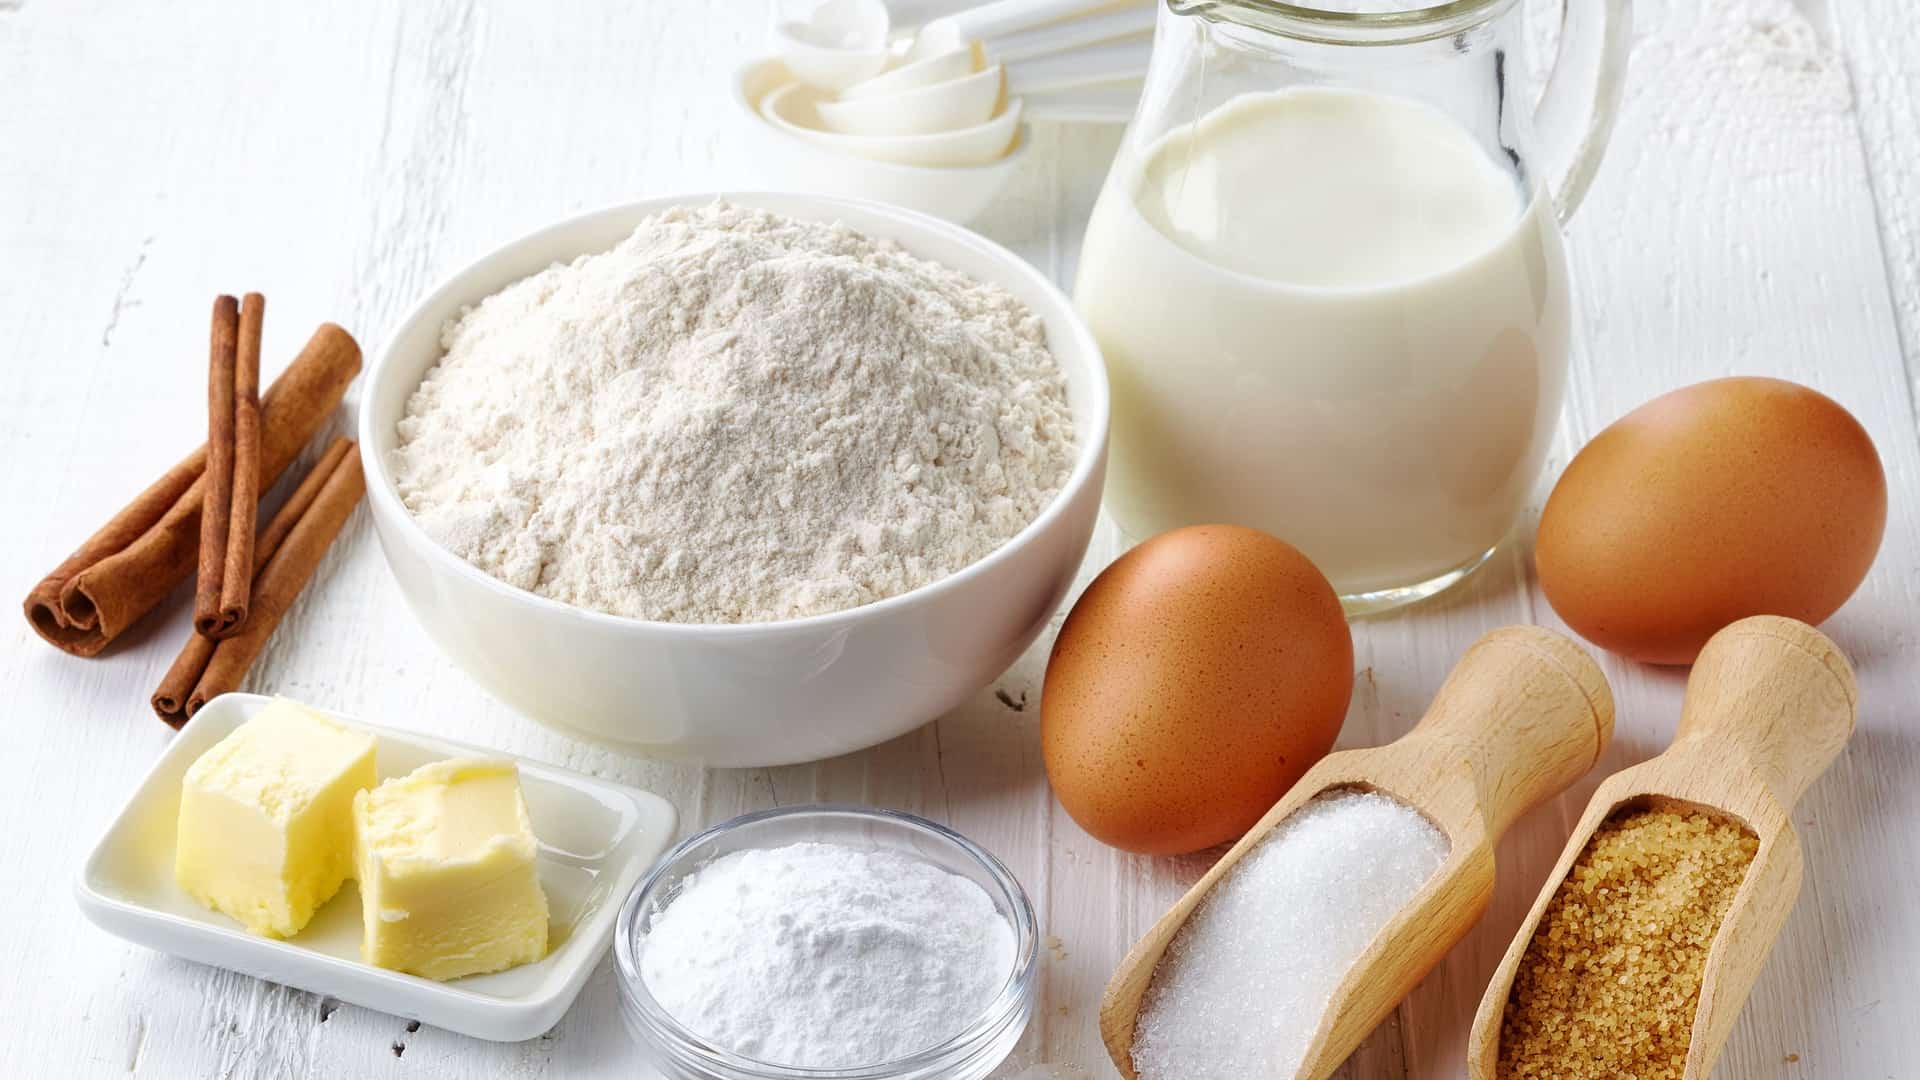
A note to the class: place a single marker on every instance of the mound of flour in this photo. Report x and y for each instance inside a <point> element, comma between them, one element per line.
<point>735,417</point>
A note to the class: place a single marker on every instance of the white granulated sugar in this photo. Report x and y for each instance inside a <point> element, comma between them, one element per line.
<point>825,956</point>
<point>1245,983</point>
<point>735,417</point>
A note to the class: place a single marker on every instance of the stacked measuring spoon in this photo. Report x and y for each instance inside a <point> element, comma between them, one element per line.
<point>871,100</point>
<point>954,92</point>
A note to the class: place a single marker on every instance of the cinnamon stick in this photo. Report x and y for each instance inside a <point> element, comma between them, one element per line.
<point>282,578</point>
<point>176,687</point>
<point>216,496</point>
<point>126,568</point>
<point>236,582</point>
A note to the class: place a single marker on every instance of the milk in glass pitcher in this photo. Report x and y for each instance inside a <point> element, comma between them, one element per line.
<point>1327,275</point>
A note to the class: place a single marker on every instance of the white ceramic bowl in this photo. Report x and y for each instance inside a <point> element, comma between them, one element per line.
<point>759,693</point>
<point>956,193</point>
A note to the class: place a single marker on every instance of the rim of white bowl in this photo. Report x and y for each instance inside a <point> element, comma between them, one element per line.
<point>1087,456</point>
<point>1023,137</point>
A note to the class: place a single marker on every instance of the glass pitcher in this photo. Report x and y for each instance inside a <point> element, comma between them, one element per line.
<point>1327,275</point>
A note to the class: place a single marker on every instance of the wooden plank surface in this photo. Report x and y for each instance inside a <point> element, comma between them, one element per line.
<point>1757,215</point>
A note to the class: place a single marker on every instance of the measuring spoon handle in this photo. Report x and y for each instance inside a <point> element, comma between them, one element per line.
<point>1775,694</point>
<point>1528,710</point>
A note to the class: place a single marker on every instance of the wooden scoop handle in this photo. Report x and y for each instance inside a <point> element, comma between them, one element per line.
<point>1774,694</point>
<point>1525,708</point>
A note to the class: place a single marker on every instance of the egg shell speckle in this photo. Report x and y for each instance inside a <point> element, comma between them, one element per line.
<point>1193,682</point>
<point>1734,497</point>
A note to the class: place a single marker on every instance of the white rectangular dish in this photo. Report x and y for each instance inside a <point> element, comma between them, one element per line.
<point>596,841</point>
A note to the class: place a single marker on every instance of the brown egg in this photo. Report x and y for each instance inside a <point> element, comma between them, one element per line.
<point>1736,497</point>
<point>1191,685</point>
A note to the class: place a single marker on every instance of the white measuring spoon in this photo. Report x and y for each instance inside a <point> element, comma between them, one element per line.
<point>945,67</point>
<point>1134,23</point>
<point>1000,19</point>
<point>842,43</point>
<point>1112,62</point>
<point>944,106</point>
<point>794,108</point>
<point>1094,84</point>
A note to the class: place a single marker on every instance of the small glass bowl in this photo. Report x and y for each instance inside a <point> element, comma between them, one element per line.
<point>969,1055</point>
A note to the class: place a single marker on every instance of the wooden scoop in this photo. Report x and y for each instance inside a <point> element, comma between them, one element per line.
<point>1769,705</point>
<point>1524,714</point>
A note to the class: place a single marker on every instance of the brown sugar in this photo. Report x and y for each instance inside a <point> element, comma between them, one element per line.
<point>1610,982</point>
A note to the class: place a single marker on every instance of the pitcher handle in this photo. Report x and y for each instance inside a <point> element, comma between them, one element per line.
<point>1575,114</point>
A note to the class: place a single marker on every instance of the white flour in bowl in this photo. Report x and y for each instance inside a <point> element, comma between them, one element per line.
<point>732,417</point>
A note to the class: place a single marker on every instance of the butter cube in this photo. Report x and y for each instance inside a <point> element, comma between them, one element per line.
<point>266,817</point>
<point>448,882</point>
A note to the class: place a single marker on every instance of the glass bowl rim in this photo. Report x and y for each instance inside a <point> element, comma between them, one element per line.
<point>1013,998</point>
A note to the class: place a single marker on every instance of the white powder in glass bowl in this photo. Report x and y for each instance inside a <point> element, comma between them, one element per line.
<point>823,956</point>
<point>732,417</point>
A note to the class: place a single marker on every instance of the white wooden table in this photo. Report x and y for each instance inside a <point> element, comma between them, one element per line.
<point>1760,213</point>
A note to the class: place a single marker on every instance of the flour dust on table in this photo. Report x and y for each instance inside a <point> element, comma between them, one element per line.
<point>734,416</point>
